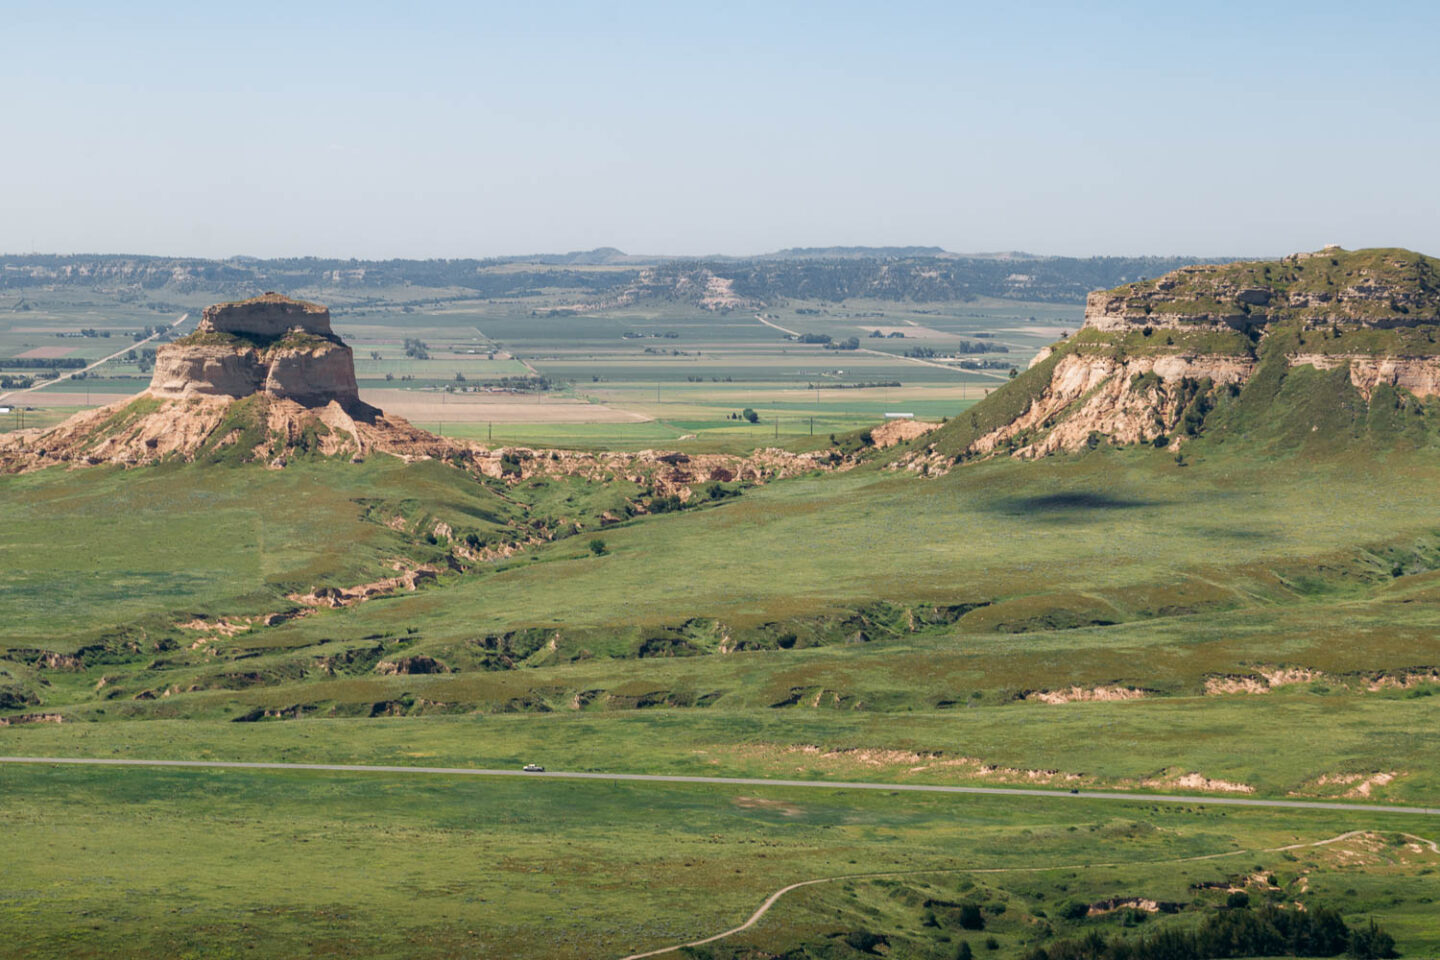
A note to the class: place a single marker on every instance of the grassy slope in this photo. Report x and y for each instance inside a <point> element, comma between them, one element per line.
<point>146,863</point>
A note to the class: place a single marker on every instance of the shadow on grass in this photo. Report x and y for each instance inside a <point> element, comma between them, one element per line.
<point>1071,502</point>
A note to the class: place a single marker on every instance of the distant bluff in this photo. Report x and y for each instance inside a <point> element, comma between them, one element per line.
<point>268,344</point>
<point>263,380</point>
<point>1366,288</point>
<point>1325,348</point>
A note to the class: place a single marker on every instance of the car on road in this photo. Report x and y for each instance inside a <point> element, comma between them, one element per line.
<point>533,768</point>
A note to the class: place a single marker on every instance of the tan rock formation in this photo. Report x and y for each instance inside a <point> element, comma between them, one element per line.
<point>1155,357</point>
<point>268,315</point>
<point>268,344</point>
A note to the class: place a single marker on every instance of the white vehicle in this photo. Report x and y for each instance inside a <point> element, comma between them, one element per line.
<point>533,768</point>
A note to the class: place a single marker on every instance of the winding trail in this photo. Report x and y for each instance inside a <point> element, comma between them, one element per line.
<point>774,897</point>
<point>118,353</point>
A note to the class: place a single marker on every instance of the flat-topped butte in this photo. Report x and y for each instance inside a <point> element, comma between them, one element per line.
<point>1382,287</point>
<point>268,344</point>
<point>268,315</point>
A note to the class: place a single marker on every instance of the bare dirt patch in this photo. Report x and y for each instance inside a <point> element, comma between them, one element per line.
<point>1353,785</point>
<point>892,432</point>
<point>779,806</point>
<point>47,353</point>
<point>1084,694</point>
<point>1195,781</point>
<point>912,762</point>
<point>409,578</point>
<point>1263,680</point>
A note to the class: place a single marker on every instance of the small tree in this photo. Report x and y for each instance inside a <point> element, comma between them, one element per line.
<point>597,547</point>
<point>750,415</point>
<point>963,952</point>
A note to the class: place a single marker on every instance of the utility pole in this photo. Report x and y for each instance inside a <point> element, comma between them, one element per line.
<point>490,431</point>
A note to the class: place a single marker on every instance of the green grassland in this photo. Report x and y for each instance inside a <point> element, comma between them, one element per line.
<point>146,863</point>
<point>866,624</point>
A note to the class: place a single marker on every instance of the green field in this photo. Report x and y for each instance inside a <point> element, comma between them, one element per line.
<point>1258,619</point>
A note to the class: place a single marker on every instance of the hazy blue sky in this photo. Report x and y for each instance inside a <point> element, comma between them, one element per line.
<point>472,129</point>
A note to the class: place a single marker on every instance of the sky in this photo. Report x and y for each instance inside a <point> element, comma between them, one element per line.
<point>428,129</point>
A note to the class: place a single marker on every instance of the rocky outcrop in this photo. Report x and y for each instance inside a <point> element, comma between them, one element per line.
<point>263,380</point>
<point>270,315</point>
<point>269,344</point>
<point>1417,375</point>
<point>1125,401</point>
<point>1155,358</point>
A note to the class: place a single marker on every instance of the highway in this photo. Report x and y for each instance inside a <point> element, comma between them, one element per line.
<point>118,353</point>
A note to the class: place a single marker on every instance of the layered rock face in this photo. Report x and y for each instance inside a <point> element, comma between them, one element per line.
<point>1156,361</point>
<point>269,344</point>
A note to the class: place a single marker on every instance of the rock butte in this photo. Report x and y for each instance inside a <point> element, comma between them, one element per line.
<point>269,344</point>
<point>266,379</point>
<point>1155,352</point>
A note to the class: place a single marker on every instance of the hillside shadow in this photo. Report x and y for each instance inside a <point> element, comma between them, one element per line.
<point>1072,502</point>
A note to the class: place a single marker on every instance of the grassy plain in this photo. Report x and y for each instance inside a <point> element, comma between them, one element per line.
<point>859,625</point>
<point>144,863</point>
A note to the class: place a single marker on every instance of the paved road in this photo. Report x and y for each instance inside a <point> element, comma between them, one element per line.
<point>745,782</point>
<point>118,353</point>
<point>895,356</point>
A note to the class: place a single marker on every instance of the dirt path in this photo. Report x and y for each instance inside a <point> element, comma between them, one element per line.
<point>771,900</point>
<point>118,353</point>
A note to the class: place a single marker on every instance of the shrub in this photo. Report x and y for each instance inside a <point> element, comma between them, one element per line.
<point>597,547</point>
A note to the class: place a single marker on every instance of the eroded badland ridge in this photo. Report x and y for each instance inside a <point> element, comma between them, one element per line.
<point>1247,349</point>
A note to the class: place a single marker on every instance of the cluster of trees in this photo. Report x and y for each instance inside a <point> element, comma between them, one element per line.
<point>852,343</point>
<point>853,386</point>
<point>965,346</point>
<point>1239,931</point>
<point>892,335</point>
<point>45,363</point>
<point>15,383</point>
<point>415,349</point>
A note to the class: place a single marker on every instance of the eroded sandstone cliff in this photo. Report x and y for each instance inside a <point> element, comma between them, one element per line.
<point>269,344</point>
<point>1157,362</point>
